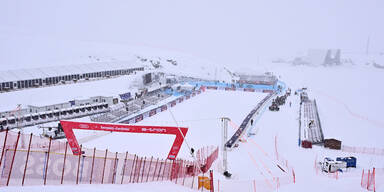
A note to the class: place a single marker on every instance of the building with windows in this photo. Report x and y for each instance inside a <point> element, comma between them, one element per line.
<point>33,115</point>
<point>46,76</point>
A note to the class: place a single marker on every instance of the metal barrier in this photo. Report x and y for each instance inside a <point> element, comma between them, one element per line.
<point>363,150</point>
<point>235,137</point>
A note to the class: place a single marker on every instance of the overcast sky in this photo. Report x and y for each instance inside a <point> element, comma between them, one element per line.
<point>217,30</point>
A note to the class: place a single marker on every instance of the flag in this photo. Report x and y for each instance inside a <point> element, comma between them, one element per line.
<point>125,96</point>
<point>17,109</point>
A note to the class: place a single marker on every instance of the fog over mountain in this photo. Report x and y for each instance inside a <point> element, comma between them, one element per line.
<point>224,32</point>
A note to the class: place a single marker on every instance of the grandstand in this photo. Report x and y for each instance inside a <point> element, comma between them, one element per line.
<point>310,121</point>
<point>266,79</point>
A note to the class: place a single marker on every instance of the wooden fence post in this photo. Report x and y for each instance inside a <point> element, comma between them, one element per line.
<point>165,166</point>
<point>93,164</point>
<point>125,164</point>
<point>65,157</point>
<point>134,170</point>
<point>170,170</point>
<point>13,158</point>
<point>139,167</point>
<point>5,142</point>
<point>142,174</point>
<point>294,176</point>
<point>133,166</point>
<point>46,167</point>
<point>26,161</point>
<point>158,175</point>
<point>211,179</point>
<point>78,166</point>
<point>149,169</point>
<point>154,172</point>
<point>114,169</point>
<point>374,180</point>
<point>105,161</point>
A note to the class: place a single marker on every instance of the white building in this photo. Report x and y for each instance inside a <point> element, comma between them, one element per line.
<point>45,76</point>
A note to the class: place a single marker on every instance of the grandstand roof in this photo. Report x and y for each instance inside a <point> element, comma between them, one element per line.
<point>44,72</point>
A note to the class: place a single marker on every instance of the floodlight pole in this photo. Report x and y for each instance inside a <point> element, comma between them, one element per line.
<point>224,123</point>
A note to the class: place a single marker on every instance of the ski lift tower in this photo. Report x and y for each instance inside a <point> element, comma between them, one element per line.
<point>224,123</point>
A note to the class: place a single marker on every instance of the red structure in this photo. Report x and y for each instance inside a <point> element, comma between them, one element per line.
<point>179,132</point>
<point>306,144</point>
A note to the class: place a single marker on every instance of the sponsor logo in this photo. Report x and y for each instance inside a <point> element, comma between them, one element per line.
<point>156,130</point>
<point>115,128</point>
<point>83,126</point>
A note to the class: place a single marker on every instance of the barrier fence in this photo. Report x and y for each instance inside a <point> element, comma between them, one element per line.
<point>363,150</point>
<point>372,179</point>
<point>240,131</point>
<point>31,165</point>
<point>368,179</point>
<point>159,109</point>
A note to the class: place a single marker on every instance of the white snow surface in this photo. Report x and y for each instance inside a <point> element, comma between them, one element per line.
<point>348,98</point>
<point>204,36</point>
<point>137,187</point>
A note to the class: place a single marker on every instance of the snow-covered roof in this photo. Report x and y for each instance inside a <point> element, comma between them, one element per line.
<point>44,72</point>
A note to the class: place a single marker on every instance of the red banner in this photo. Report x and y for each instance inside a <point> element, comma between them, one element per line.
<point>68,127</point>
<point>249,89</point>
<point>212,87</point>
<point>230,89</point>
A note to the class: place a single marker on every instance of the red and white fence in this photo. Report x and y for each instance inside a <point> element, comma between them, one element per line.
<point>32,165</point>
<point>363,150</point>
<point>368,179</point>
